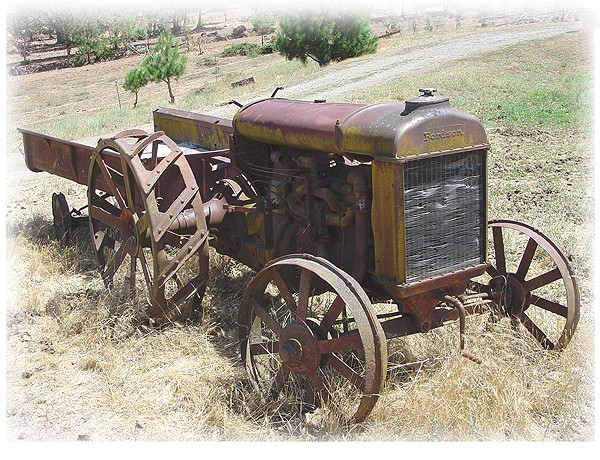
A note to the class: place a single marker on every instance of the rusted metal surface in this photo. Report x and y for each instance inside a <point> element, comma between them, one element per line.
<point>65,220</point>
<point>378,130</point>
<point>332,204</point>
<point>205,131</point>
<point>457,304</point>
<point>131,224</point>
<point>516,291</point>
<point>70,160</point>
<point>293,342</point>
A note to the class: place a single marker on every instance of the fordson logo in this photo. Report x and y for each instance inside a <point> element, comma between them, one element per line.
<point>444,132</point>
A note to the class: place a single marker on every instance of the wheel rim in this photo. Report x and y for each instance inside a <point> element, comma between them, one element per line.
<point>292,333</point>
<point>131,222</point>
<point>532,282</point>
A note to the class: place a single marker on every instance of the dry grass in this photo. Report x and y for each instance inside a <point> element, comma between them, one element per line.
<point>78,369</point>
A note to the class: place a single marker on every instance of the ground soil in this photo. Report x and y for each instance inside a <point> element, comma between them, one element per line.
<point>28,192</point>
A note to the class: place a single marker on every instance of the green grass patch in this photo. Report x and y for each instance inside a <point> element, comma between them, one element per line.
<point>560,104</point>
<point>511,88</point>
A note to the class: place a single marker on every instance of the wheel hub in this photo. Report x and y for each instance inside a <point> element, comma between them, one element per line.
<point>291,351</point>
<point>513,295</point>
<point>299,349</point>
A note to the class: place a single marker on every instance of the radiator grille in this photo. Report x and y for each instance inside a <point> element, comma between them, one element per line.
<point>444,205</point>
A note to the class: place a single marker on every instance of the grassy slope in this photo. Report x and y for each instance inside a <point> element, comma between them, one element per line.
<point>78,369</point>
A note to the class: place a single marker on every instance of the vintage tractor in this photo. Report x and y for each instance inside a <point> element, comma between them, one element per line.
<point>363,223</point>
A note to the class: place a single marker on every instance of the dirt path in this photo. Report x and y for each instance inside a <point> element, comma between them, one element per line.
<point>334,82</point>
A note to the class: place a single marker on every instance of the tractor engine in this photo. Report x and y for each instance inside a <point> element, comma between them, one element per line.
<point>393,194</point>
<point>298,202</point>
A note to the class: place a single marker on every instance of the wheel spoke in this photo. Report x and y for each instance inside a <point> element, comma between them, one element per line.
<point>348,342</point>
<point>550,306</point>
<point>146,271</point>
<point>543,280</point>
<point>266,318</point>
<point>183,294</point>
<point>101,202</point>
<point>318,385</point>
<point>284,291</point>
<point>311,350</point>
<point>491,270</point>
<point>541,294</point>
<point>103,240</point>
<point>304,293</point>
<point>105,217</point>
<point>132,276</point>
<point>347,372</point>
<point>536,332</point>
<point>110,181</point>
<point>117,201</point>
<point>279,381</point>
<point>334,311</point>
<point>115,263</point>
<point>499,249</point>
<point>527,258</point>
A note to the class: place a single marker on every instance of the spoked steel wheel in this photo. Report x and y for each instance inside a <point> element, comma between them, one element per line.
<point>531,281</point>
<point>306,324</point>
<point>143,202</point>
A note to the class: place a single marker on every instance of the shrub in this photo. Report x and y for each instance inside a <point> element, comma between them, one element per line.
<point>134,81</point>
<point>247,49</point>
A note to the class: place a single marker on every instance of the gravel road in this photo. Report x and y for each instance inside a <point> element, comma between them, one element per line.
<point>336,81</point>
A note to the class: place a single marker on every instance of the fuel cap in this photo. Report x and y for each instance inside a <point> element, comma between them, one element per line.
<point>427,97</point>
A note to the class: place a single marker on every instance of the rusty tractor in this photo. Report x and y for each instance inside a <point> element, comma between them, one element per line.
<point>363,223</point>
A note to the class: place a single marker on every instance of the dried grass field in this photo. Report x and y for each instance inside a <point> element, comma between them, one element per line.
<point>78,370</point>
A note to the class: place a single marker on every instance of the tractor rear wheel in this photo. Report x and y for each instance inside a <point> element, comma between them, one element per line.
<point>140,185</point>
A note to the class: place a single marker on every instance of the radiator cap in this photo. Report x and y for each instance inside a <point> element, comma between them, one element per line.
<point>424,99</point>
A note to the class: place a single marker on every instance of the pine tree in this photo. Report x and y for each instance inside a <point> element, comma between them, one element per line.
<point>165,62</point>
<point>263,23</point>
<point>134,81</point>
<point>325,35</point>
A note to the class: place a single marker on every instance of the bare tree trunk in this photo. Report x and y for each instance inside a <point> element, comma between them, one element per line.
<point>199,24</point>
<point>171,96</point>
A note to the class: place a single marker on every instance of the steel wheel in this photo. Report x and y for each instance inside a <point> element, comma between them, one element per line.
<point>306,323</point>
<point>532,282</point>
<point>61,218</point>
<point>140,189</point>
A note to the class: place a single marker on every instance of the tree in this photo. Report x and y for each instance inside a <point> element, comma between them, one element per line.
<point>85,32</point>
<point>325,35</point>
<point>121,29</point>
<point>134,81</point>
<point>22,25</point>
<point>165,62</point>
<point>263,23</point>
